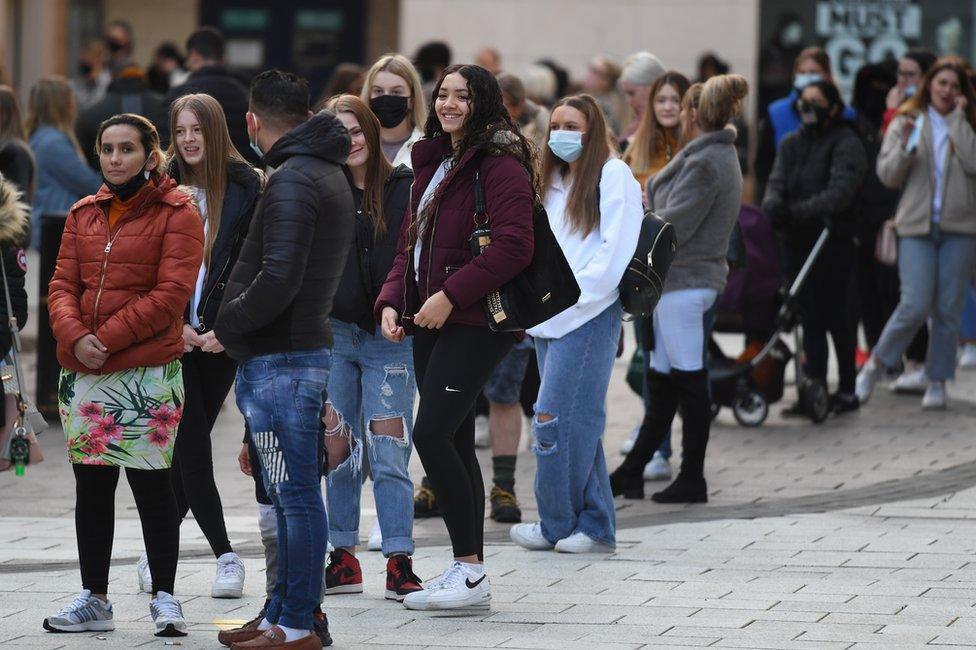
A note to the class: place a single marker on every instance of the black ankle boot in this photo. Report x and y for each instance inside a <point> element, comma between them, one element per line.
<point>661,407</point>
<point>625,481</point>
<point>684,489</point>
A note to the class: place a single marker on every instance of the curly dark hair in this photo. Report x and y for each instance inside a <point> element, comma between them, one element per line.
<point>488,126</point>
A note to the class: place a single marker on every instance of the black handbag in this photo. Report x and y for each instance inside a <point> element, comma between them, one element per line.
<point>545,288</point>
<point>643,281</point>
<point>737,254</point>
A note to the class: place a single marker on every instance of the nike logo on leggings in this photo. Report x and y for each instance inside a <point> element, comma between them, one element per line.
<point>472,585</point>
<point>452,390</point>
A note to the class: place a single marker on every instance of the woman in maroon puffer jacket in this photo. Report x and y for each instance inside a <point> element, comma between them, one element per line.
<point>435,289</point>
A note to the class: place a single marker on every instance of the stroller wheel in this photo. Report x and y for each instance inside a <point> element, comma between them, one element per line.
<point>750,409</point>
<point>815,400</point>
<point>715,409</point>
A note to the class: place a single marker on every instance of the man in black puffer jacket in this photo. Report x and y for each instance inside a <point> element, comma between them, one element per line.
<point>275,320</point>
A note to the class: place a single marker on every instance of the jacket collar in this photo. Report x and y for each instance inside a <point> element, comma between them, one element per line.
<point>722,137</point>
<point>164,191</point>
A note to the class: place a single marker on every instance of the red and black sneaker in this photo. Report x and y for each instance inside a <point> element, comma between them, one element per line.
<point>320,624</point>
<point>343,575</point>
<point>400,578</point>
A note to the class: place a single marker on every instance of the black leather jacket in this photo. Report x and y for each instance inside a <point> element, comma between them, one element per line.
<point>279,295</point>
<point>240,197</point>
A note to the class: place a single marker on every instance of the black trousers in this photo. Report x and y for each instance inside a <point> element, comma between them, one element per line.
<point>823,310</point>
<point>207,378</point>
<point>95,523</point>
<point>452,366</point>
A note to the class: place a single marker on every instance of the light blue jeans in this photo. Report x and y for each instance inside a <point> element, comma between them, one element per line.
<point>572,485</point>
<point>280,396</point>
<point>935,271</point>
<point>371,380</point>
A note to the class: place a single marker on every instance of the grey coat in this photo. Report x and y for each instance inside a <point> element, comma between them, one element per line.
<point>700,192</point>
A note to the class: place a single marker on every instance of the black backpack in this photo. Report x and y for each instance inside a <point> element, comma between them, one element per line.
<point>545,288</point>
<point>643,280</point>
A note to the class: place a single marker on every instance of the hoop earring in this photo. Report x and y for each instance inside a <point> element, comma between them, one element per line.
<point>146,174</point>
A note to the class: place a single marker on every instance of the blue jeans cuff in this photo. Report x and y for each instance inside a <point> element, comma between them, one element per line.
<point>344,538</point>
<point>393,545</point>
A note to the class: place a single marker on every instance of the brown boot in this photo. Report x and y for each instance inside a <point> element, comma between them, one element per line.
<point>243,633</point>
<point>275,638</point>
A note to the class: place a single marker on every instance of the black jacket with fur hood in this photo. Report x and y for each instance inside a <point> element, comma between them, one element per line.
<point>14,234</point>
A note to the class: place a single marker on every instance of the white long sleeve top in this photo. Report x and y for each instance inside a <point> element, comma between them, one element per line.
<point>599,258</point>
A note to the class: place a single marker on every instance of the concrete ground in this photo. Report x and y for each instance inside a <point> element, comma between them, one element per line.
<point>856,533</point>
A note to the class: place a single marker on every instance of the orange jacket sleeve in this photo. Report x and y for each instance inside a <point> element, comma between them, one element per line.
<point>64,291</point>
<point>176,277</point>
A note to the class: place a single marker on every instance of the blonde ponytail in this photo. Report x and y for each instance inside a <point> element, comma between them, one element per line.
<point>721,100</point>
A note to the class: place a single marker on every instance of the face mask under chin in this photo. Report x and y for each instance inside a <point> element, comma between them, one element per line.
<point>128,189</point>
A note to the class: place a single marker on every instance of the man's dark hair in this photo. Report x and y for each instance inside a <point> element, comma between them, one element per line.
<point>431,58</point>
<point>208,42</point>
<point>280,98</point>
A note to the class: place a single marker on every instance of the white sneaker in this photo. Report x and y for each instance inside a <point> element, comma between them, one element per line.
<point>229,581</point>
<point>935,396</point>
<point>167,615</point>
<point>870,373</point>
<point>84,614</point>
<point>659,469</point>
<point>375,541</point>
<point>628,442</point>
<point>145,577</point>
<point>911,382</point>
<point>967,361</point>
<point>482,438</point>
<point>530,536</point>
<point>582,543</point>
<point>459,588</point>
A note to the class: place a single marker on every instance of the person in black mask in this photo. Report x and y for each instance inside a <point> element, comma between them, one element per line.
<point>814,185</point>
<point>395,95</point>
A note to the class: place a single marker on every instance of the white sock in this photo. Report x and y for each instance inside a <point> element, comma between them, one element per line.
<point>293,634</point>
<point>474,568</point>
<point>264,625</point>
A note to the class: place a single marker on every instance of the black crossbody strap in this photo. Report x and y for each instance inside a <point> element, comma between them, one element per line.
<point>479,196</point>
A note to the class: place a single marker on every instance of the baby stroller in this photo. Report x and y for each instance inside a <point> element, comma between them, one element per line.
<point>748,385</point>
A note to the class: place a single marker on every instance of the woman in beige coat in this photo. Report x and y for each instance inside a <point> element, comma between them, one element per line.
<point>929,152</point>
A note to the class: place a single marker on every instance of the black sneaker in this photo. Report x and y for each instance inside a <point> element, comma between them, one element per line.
<point>425,503</point>
<point>320,625</point>
<point>504,506</point>
<point>840,404</point>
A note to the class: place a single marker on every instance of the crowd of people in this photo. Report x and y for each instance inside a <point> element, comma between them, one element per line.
<point>316,256</point>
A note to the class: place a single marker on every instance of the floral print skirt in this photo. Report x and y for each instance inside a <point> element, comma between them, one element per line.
<point>123,419</point>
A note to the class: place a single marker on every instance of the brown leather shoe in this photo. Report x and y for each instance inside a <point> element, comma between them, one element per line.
<point>243,633</point>
<point>275,638</point>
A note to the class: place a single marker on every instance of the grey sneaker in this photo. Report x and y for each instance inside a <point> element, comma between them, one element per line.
<point>84,614</point>
<point>935,396</point>
<point>145,576</point>
<point>167,615</point>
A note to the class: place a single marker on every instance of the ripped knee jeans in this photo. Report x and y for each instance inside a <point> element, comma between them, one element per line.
<point>370,413</point>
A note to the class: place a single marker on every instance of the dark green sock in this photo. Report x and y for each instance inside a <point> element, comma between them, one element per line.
<point>503,470</point>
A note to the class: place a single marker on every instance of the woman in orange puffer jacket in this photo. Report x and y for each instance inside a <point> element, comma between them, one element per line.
<point>126,269</point>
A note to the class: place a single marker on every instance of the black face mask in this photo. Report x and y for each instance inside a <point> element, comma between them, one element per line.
<point>114,46</point>
<point>84,68</point>
<point>812,116</point>
<point>389,109</point>
<point>125,191</point>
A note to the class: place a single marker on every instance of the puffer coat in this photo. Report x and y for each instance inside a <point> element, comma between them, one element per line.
<point>129,287</point>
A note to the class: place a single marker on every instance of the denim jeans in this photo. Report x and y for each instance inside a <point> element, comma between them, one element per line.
<point>281,398</point>
<point>967,330</point>
<point>372,380</point>
<point>935,270</point>
<point>572,485</point>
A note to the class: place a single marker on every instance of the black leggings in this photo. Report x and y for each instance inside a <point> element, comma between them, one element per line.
<point>452,366</point>
<point>207,378</point>
<point>95,523</point>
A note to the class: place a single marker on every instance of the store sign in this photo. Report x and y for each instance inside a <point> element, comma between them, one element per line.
<point>861,31</point>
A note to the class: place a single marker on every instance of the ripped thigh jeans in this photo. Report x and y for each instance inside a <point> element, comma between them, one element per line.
<point>371,396</point>
<point>281,397</point>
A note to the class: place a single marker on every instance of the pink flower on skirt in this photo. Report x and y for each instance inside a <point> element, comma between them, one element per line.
<point>92,460</point>
<point>159,436</point>
<point>106,428</point>
<point>165,416</point>
<point>93,445</point>
<point>90,410</point>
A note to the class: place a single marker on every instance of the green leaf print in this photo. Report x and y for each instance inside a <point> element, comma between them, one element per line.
<point>66,387</point>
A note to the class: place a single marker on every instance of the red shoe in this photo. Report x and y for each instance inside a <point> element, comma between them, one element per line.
<point>861,357</point>
<point>400,578</point>
<point>343,575</point>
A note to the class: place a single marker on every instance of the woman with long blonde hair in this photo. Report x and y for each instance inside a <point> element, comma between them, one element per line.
<point>63,176</point>
<point>226,189</point>
<point>396,96</point>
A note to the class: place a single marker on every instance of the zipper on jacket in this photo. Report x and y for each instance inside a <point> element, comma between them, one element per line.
<point>109,242</point>
<point>202,307</point>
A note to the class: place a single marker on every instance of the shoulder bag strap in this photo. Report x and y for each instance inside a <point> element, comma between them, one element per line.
<point>15,337</point>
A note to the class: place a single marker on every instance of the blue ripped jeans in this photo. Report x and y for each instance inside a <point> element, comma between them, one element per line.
<point>572,486</point>
<point>281,397</point>
<point>372,382</point>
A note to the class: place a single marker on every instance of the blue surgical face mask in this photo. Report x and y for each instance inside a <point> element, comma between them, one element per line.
<point>566,145</point>
<point>255,148</point>
<point>910,90</point>
<point>804,79</point>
